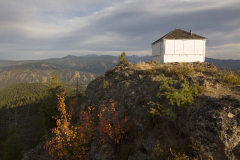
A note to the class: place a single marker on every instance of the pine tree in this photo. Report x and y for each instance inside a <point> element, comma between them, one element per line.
<point>122,59</point>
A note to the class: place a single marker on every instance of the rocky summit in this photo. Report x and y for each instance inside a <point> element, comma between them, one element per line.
<point>177,111</point>
<point>212,120</point>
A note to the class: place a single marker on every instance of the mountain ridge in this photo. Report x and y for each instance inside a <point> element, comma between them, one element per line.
<point>225,63</point>
<point>87,66</point>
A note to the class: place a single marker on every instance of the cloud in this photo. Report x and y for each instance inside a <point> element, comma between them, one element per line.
<point>33,29</point>
<point>226,51</point>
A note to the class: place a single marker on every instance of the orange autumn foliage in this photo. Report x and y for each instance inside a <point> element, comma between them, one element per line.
<point>74,142</point>
<point>71,142</point>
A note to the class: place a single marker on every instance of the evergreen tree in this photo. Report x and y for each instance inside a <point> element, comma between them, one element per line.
<point>122,59</point>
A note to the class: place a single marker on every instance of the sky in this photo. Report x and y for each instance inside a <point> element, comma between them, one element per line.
<point>40,29</point>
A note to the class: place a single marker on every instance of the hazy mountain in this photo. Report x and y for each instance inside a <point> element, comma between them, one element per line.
<point>90,55</point>
<point>225,63</point>
<point>9,63</point>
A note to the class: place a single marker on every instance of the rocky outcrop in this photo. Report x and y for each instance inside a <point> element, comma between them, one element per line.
<point>215,126</point>
<point>213,120</point>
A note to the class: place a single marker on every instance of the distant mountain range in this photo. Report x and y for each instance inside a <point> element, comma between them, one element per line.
<point>225,63</point>
<point>70,68</point>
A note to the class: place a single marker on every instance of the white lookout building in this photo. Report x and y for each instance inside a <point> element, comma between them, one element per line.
<point>179,46</point>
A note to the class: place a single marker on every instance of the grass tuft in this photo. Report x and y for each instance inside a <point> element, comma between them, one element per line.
<point>229,77</point>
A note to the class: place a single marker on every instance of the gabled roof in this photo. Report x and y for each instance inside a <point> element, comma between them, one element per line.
<point>179,34</point>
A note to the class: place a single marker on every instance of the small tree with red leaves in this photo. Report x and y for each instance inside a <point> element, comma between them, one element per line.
<point>111,128</point>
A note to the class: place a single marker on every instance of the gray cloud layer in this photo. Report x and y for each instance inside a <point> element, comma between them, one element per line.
<point>33,29</point>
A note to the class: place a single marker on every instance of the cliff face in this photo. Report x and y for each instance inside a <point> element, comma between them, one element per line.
<point>212,120</point>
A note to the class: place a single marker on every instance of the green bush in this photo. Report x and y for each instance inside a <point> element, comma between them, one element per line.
<point>175,96</point>
<point>106,84</point>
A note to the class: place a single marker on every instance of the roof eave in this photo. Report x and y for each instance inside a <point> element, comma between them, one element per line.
<point>175,39</point>
<point>157,41</point>
<point>182,38</point>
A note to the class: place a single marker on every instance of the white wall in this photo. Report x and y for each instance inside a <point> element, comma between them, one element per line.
<point>157,51</point>
<point>183,58</point>
<point>184,50</point>
<point>178,47</point>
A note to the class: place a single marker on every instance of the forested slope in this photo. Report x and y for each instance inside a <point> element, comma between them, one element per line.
<point>22,120</point>
<point>26,112</point>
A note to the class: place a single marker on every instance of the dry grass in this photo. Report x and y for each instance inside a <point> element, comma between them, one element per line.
<point>176,71</point>
<point>229,77</point>
<point>182,70</point>
<point>209,71</point>
<point>237,73</point>
<point>144,66</point>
